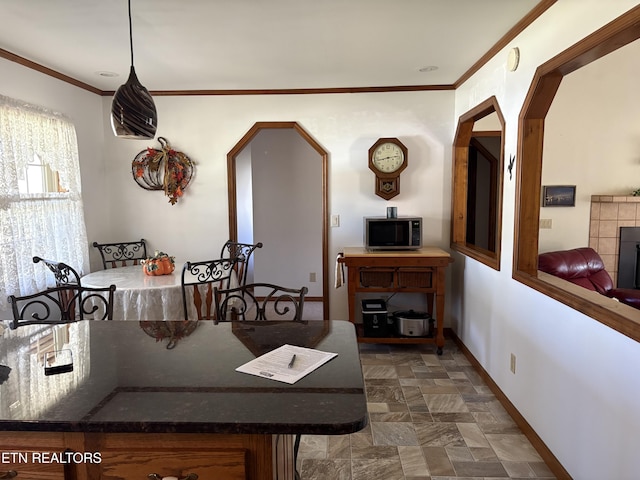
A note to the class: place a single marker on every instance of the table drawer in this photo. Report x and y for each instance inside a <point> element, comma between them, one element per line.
<point>376,277</point>
<point>206,464</point>
<point>38,456</point>
<point>418,278</point>
<point>33,471</point>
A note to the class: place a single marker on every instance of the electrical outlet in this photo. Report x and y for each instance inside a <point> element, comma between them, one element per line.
<point>335,220</point>
<point>312,277</point>
<point>545,223</point>
<point>513,364</point>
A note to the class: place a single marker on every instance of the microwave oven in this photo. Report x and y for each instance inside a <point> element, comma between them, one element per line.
<point>401,233</point>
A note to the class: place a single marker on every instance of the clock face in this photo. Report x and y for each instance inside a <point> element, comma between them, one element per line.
<point>388,157</point>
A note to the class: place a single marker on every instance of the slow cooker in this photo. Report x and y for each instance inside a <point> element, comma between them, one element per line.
<point>410,323</point>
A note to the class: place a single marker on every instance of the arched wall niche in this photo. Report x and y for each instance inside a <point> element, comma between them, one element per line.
<point>547,79</point>
<point>320,223</point>
<point>461,215</point>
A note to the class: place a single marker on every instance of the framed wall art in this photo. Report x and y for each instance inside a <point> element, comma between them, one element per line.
<point>559,196</point>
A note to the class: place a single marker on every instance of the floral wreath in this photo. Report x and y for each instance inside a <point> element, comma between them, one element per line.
<point>163,169</point>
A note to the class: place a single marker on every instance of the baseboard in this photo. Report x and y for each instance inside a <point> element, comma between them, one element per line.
<point>552,462</point>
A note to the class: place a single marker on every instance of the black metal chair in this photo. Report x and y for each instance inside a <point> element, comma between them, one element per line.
<point>260,301</point>
<point>199,279</point>
<point>242,253</point>
<point>63,304</point>
<point>63,273</point>
<point>121,254</point>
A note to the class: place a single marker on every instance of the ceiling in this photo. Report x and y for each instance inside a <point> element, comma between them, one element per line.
<point>185,45</point>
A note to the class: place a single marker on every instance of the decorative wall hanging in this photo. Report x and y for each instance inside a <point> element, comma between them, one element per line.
<point>559,196</point>
<point>163,169</point>
<point>512,159</point>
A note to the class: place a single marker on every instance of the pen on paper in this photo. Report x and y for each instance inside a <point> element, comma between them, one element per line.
<point>293,360</point>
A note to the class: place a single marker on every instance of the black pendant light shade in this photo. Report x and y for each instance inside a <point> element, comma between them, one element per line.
<point>133,113</point>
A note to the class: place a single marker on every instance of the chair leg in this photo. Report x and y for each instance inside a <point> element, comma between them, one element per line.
<point>296,447</point>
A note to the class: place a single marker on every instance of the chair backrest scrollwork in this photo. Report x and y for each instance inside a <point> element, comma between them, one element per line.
<point>260,301</point>
<point>63,273</point>
<point>63,304</point>
<point>198,282</point>
<point>121,254</point>
<point>242,252</point>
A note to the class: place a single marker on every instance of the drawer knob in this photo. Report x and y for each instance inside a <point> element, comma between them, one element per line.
<point>9,474</point>
<point>155,476</point>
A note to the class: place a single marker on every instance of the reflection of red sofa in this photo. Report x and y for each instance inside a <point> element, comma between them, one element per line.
<point>583,266</point>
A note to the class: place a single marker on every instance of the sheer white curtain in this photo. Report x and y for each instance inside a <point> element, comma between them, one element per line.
<point>50,225</point>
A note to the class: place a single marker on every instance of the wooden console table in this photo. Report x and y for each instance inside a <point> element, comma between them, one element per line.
<point>411,271</point>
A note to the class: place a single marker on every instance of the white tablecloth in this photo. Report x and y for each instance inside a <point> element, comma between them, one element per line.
<point>142,297</point>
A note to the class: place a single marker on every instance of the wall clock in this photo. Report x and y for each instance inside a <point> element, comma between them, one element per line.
<point>387,159</point>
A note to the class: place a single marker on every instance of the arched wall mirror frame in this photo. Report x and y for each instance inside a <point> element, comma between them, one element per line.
<point>322,221</point>
<point>547,79</point>
<point>478,234</point>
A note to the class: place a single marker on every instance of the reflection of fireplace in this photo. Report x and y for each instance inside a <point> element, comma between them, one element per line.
<point>609,213</point>
<point>629,258</point>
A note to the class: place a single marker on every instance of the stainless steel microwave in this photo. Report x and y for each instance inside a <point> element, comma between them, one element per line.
<point>401,233</point>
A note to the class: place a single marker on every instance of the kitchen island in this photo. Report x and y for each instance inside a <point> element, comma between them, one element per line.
<point>129,407</point>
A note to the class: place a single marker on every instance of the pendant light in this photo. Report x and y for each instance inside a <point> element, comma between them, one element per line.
<point>133,113</point>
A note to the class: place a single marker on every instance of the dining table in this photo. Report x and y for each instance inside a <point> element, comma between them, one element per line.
<point>105,399</point>
<point>139,296</point>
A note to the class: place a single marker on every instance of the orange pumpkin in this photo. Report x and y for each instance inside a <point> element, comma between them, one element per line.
<point>158,266</point>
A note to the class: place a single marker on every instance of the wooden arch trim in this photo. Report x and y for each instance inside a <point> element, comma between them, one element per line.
<point>232,191</point>
<point>461,141</point>
<point>544,86</point>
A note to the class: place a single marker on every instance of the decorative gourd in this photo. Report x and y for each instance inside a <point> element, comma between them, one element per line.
<point>159,264</point>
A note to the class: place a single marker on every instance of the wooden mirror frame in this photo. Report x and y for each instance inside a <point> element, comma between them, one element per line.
<point>231,183</point>
<point>459,214</point>
<point>546,81</point>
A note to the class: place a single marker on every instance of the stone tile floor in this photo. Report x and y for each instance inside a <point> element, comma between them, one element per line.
<point>430,418</point>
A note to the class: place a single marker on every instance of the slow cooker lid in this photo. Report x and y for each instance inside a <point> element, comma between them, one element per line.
<point>411,314</point>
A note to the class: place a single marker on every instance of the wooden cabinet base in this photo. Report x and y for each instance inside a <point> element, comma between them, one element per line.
<point>120,456</point>
<point>420,271</point>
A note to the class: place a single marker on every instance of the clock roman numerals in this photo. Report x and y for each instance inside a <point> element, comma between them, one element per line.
<point>387,158</point>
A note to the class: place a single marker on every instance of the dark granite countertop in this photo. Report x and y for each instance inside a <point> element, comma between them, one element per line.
<point>125,379</point>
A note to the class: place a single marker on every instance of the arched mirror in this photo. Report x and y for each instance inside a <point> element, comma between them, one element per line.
<point>477,183</point>
<point>531,138</point>
<point>277,178</point>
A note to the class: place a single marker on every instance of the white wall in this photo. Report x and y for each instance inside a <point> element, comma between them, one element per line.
<point>346,125</point>
<point>576,380</point>
<point>244,199</point>
<point>584,147</point>
<point>288,209</point>
<point>206,128</point>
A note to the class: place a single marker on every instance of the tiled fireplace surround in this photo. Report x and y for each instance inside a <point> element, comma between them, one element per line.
<point>608,214</point>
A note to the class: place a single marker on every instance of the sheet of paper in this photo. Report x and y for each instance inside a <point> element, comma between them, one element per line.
<point>280,364</point>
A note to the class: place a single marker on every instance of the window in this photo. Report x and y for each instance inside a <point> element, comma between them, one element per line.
<point>544,85</point>
<point>41,211</point>
<point>478,152</point>
<point>38,177</point>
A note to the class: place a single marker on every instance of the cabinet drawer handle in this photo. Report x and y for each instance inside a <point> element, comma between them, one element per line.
<point>9,474</point>
<point>155,476</point>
